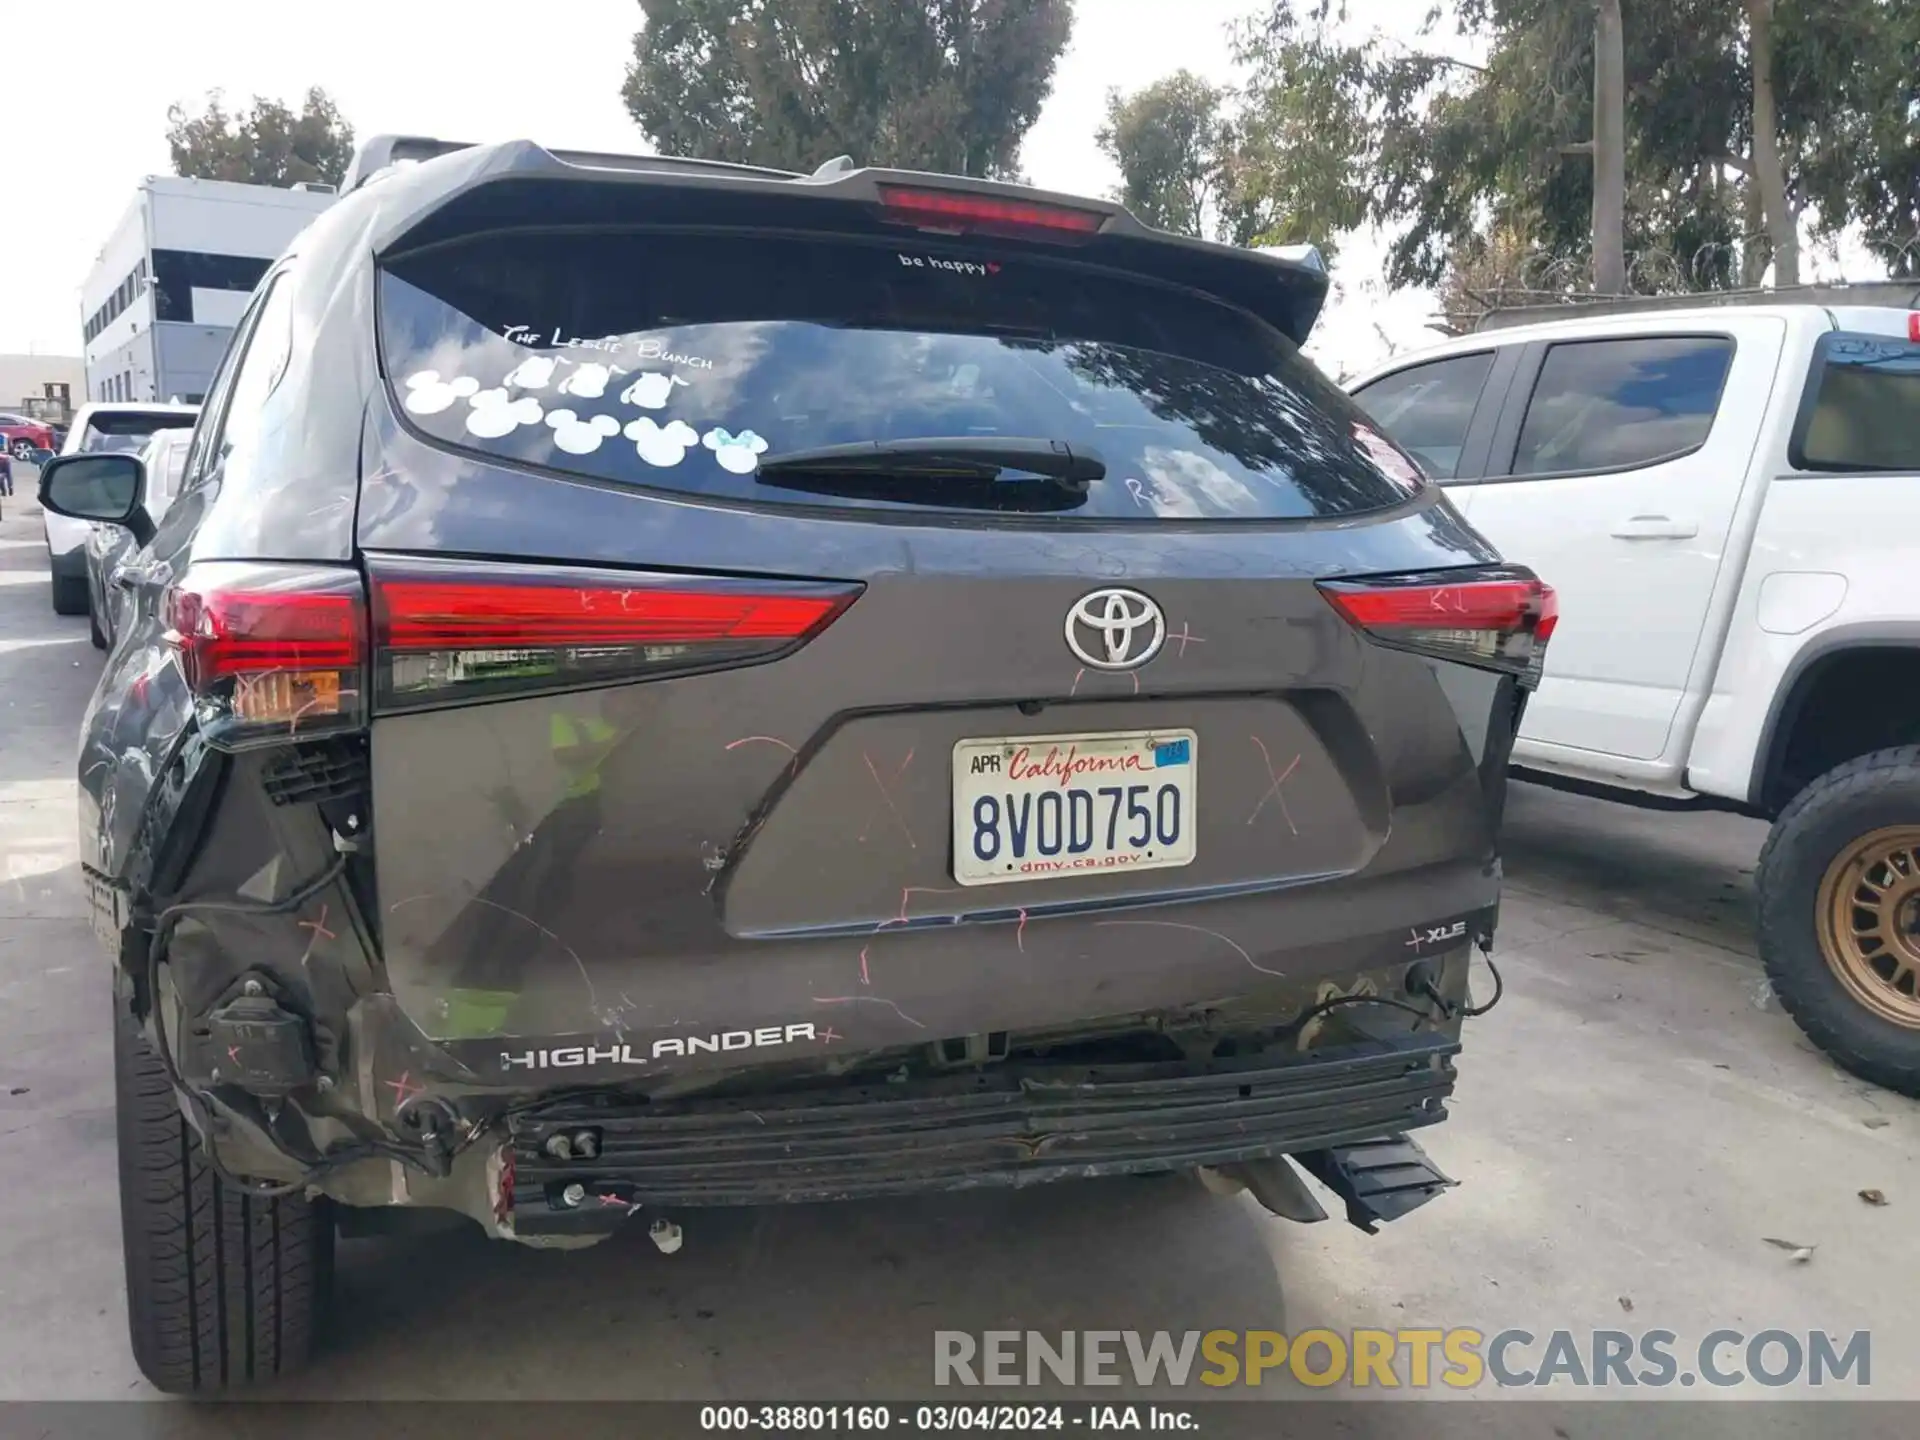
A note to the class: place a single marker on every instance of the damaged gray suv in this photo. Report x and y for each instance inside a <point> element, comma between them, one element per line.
<point>670,685</point>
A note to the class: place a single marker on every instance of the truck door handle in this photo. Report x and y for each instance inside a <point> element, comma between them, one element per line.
<point>1655,527</point>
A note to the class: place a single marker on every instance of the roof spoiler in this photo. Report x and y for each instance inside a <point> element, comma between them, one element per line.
<point>382,152</point>
<point>1307,256</point>
<point>1892,294</point>
<point>1284,284</point>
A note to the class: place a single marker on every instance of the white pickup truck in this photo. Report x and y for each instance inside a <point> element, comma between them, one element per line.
<point>1725,491</point>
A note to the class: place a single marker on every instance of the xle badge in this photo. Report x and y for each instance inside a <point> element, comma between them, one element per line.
<point>1421,937</point>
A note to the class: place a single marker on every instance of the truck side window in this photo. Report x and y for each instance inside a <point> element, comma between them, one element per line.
<point>1622,404</point>
<point>1863,407</point>
<point>1426,409</point>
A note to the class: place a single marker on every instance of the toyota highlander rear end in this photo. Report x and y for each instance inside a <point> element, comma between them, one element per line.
<point>680,686</point>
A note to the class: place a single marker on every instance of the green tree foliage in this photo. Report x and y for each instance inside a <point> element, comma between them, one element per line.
<point>1849,82</point>
<point>1466,160</point>
<point>268,144</point>
<point>947,85</point>
<point>1172,144</point>
<point>1260,168</point>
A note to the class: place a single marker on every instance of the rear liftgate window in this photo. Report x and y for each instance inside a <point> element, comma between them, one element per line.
<point>1864,412</point>
<point>694,362</point>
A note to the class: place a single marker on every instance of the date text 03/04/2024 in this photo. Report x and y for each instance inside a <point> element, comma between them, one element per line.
<point>917,1419</point>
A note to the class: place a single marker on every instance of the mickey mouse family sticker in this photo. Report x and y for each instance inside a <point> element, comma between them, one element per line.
<point>495,413</point>
<point>428,394</point>
<point>739,453</point>
<point>661,445</point>
<point>577,436</point>
<point>651,391</point>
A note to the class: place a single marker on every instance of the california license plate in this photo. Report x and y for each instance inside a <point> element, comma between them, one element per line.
<point>1043,806</point>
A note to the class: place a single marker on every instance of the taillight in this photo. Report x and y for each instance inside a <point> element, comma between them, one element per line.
<point>960,212</point>
<point>1913,326</point>
<point>1501,619</point>
<point>444,634</point>
<point>270,652</point>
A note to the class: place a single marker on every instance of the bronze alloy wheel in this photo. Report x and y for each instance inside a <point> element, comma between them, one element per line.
<point>1869,922</point>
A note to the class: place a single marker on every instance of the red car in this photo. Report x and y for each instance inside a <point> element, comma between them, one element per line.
<point>22,436</point>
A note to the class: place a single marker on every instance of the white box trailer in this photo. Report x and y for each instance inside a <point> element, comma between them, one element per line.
<point>162,298</point>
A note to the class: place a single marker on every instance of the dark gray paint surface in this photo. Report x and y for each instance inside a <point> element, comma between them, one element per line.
<point>736,871</point>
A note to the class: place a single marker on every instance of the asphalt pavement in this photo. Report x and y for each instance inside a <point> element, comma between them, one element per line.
<point>1635,1122</point>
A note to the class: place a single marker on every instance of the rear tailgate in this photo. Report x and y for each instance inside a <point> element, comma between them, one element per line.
<point>676,757</point>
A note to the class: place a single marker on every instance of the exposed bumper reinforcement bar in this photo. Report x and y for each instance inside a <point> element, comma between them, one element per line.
<point>1015,1124</point>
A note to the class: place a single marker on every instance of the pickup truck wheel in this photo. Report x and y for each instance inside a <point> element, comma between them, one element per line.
<point>223,1287</point>
<point>1839,883</point>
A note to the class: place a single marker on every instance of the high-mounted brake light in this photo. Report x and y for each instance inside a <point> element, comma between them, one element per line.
<point>959,212</point>
<point>269,652</point>
<point>442,635</point>
<point>1500,619</point>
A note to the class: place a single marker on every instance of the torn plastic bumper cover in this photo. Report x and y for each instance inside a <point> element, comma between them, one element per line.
<point>580,1165</point>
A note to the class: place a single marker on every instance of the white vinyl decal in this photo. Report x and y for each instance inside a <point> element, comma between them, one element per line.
<point>661,445</point>
<point>428,394</point>
<point>651,391</point>
<point>739,453</point>
<point>495,413</point>
<point>533,373</point>
<point>577,436</point>
<point>588,380</point>
<point>1388,457</point>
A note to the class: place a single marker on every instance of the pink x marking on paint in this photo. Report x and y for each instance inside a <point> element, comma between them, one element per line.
<point>1273,790</point>
<point>886,798</point>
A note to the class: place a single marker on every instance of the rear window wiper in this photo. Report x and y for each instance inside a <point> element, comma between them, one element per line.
<point>936,457</point>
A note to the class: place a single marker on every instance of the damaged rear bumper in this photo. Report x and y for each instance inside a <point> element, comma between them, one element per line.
<point>1017,1125</point>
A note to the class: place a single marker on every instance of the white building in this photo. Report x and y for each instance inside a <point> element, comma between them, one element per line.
<point>163,296</point>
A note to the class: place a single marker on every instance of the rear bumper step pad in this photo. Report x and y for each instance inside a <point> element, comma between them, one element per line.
<point>1013,1124</point>
<point>1380,1180</point>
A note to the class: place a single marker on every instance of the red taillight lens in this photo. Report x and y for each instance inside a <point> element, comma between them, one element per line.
<point>441,636</point>
<point>270,652</point>
<point>1498,619</point>
<point>1913,326</point>
<point>961,212</point>
<point>1549,617</point>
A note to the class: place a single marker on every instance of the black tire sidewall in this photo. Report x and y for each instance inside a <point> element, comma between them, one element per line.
<point>1827,818</point>
<point>156,1148</point>
<point>134,1123</point>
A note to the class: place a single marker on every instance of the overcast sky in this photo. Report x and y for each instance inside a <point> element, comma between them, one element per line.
<point>81,135</point>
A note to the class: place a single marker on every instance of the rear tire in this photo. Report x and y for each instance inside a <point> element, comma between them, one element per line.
<point>1839,886</point>
<point>223,1288</point>
<point>69,594</point>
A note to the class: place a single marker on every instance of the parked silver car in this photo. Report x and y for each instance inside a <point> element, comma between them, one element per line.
<point>109,547</point>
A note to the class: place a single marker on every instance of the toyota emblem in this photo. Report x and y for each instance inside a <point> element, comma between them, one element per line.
<point>1115,629</point>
